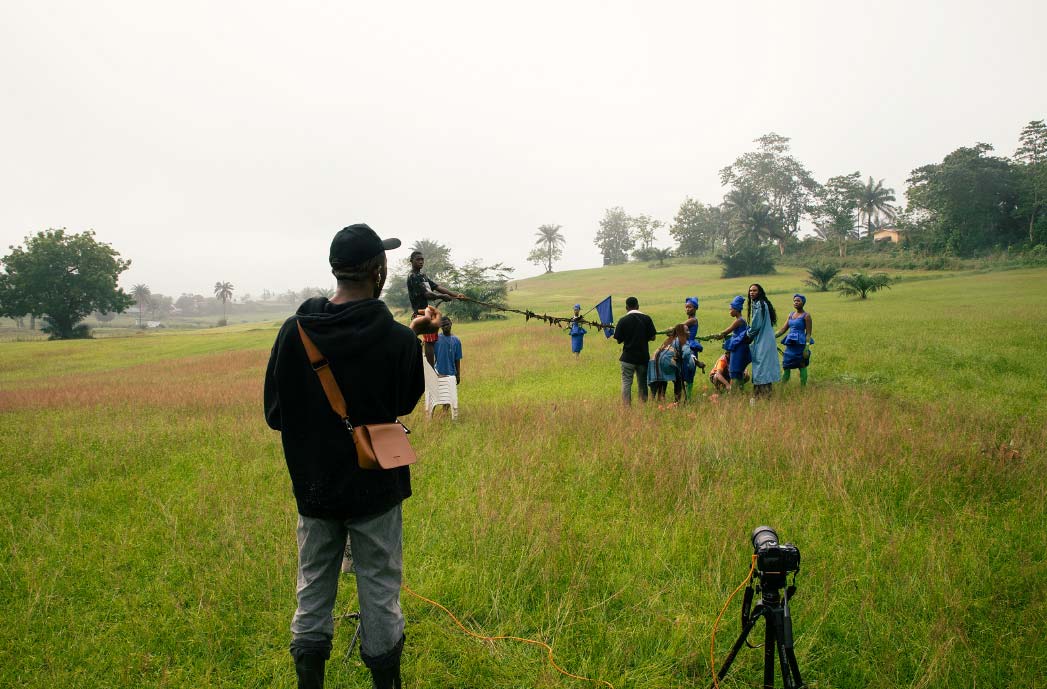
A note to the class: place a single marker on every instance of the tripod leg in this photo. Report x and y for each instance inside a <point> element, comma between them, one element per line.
<point>794,667</point>
<point>768,653</point>
<point>746,628</point>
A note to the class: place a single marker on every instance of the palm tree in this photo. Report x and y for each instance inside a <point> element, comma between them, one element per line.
<point>660,255</point>
<point>860,284</point>
<point>548,247</point>
<point>437,257</point>
<point>141,294</point>
<point>223,291</point>
<point>874,200</point>
<point>753,217</point>
<point>820,276</point>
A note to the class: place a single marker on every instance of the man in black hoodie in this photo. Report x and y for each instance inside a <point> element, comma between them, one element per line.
<point>377,363</point>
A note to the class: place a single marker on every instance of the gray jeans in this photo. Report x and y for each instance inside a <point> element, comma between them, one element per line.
<point>377,543</point>
<point>628,370</point>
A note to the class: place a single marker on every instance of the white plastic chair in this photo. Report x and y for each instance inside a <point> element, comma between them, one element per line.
<point>439,390</point>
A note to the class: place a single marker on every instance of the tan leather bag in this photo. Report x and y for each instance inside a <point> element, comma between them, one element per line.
<point>383,446</point>
<point>378,445</point>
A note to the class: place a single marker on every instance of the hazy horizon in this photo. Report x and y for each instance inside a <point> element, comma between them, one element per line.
<point>229,142</point>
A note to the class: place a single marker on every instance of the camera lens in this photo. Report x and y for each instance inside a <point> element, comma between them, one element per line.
<point>763,536</point>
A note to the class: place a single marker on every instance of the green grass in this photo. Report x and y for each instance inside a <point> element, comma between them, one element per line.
<point>148,525</point>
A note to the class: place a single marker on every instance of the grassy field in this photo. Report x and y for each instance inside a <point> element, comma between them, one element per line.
<point>148,524</point>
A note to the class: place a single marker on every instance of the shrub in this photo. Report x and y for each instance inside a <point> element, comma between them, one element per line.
<point>861,285</point>
<point>821,275</point>
<point>745,258</point>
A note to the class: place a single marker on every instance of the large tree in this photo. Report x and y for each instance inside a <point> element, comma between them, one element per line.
<point>968,201</point>
<point>63,277</point>
<point>223,292</point>
<point>875,201</point>
<point>836,210</point>
<point>548,246</point>
<point>615,237</point>
<point>1031,158</point>
<point>779,178</point>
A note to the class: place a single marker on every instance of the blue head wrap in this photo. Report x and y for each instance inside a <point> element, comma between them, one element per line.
<point>737,303</point>
<point>578,306</point>
<point>691,300</point>
<point>803,299</point>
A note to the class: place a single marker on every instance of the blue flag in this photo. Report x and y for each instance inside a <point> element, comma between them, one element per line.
<point>603,309</point>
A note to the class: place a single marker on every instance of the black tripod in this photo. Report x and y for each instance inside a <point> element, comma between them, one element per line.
<point>778,635</point>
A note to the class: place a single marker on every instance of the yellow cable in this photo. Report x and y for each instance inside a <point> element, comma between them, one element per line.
<point>546,646</point>
<point>712,644</point>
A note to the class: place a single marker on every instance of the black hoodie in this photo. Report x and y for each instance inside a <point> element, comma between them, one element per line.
<point>378,365</point>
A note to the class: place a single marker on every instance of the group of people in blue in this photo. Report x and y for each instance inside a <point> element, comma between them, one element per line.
<point>749,350</point>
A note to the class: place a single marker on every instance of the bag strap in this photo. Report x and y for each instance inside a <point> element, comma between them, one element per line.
<point>322,367</point>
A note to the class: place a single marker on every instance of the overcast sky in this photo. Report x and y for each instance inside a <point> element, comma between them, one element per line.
<point>214,140</point>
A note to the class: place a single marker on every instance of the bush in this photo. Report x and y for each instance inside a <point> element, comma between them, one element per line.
<point>861,285</point>
<point>747,259</point>
<point>821,275</point>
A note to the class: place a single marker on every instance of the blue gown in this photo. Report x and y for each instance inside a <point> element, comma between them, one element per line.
<point>735,344</point>
<point>763,348</point>
<point>795,342</point>
<point>577,336</point>
<point>692,338</point>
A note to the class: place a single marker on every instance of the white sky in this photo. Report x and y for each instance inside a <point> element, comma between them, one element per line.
<point>216,140</point>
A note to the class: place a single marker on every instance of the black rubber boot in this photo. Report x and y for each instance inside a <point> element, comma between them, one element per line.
<point>386,678</point>
<point>385,669</point>
<point>310,670</point>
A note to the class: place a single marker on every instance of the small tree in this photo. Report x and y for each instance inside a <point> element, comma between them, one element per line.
<point>479,282</point>
<point>66,277</point>
<point>861,285</point>
<point>615,237</point>
<point>821,275</point>
<point>653,254</point>
<point>223,292</point>
<point>141,294</point>
<point>646,227</point>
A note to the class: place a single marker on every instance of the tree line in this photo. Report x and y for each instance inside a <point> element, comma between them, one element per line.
<point>971,203</point>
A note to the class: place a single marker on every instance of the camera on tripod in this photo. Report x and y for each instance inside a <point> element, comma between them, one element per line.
<point>773,557</point>
<point>774,561</point>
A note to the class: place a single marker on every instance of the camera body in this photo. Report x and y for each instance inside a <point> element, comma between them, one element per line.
<point>773,557</point>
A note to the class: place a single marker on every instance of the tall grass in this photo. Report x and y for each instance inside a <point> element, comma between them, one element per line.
<point>148,523</point>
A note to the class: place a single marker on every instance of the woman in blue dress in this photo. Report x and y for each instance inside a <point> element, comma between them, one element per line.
<point>797,341</point>
<point>762,346</point>
<point>690,307</point>
<point>577,332</point>
<point>735,343</point>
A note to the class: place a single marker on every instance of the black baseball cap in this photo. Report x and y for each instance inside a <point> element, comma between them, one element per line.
<point>358,243</point>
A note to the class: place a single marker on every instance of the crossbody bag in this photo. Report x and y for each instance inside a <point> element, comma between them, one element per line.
<point>378,445</point>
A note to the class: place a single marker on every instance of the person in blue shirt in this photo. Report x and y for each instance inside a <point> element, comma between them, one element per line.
<point>577,332</point>
<point>448,352</point>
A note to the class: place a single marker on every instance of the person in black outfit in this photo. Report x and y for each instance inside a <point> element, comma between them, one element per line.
<point>634,331</point>
<point>377,364</point>
<point>420,289</point>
